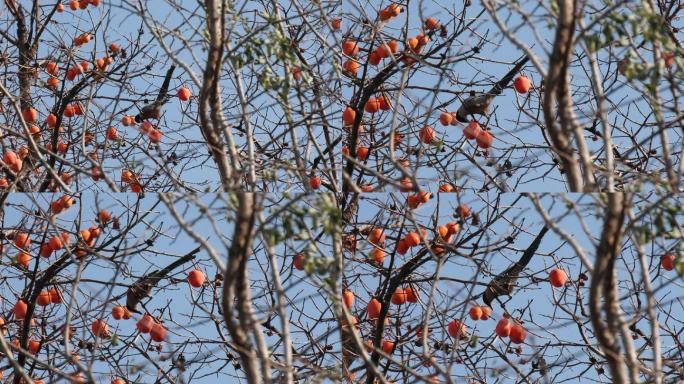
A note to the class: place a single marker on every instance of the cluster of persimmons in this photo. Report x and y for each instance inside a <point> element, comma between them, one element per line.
<point>84,245</point>
<point>43,127</point>
<point>408,293</point>
<point>378,49</point>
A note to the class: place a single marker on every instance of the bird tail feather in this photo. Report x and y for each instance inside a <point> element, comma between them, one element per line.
<point>498,88</point>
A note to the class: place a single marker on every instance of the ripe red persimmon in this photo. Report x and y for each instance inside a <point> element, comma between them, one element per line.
<point>399,296</point>
<point>667,261</point>
<point>457,329</point>
<point>427,134</point>
<point>348,116</point>
<point>348,298</point>
<point>558,277</point>
<point>503,328</point>
<point>315,182</point>
<point>518,334</point>
<point>158,332</point>
<point>387,346</point>
<point>373,308</point>
<point>484,139</point>
<point>445,118</point>
<point>411,295</point>
<point>350,48</point>
<point>299,261</point>
<point>144,325</point>
<point>472,130</point>
<point>412,239</point>
<point>196,278</point>
<point>184,94</point>
<point>376,236</point>
<point>476,312</point>
<point>100,328</point>
<point>522,84</point>
<point>43,298</point>
<point>20,309</point>
<point>372,105</point>
<point>30,115</point>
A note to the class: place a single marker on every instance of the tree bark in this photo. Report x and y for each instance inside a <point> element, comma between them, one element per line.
<point>604,304</point>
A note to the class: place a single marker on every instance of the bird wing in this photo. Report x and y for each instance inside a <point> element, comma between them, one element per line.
<point>498,88</point>
<point>161,97</point>
<point>479,104</point>
<point>503,283</point>
<point>155,276</point>
<point>143,287</point>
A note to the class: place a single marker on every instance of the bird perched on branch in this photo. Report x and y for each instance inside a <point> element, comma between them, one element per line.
<point>143,287</point>
<point>504,283</point>
<point>478,104</point>
<point>153,110</point>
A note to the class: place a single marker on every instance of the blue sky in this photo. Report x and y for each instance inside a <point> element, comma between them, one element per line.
<point>308,305</point>
<point>546,323</point>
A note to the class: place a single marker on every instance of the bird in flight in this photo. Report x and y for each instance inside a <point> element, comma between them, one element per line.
<point>153,110</point>
<point>478,104</point>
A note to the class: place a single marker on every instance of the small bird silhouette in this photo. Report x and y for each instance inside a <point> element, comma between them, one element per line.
<point>478,104</point>
<point>504,283</point>
<point>143,287</point>
<point>153,110</point>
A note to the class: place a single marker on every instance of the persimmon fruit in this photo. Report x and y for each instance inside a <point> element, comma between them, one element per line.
<point>144,325</point>
<point>158,332</point>
<point>387,346</point>
<point>413,239</point>
<point>299,261</point>
<point>522,84</point>
<point>475,312</point>
<point>348,298</point>
<point>348,116</point>
<point>100,328</point>
<point>399,296</point>
<point>196,278</point>
<point>472,130</point>
<point>43,298</point>
<point>558,277</point>
<point>373,309</point>
<point>484,139</point>
<point>378,256</point>
<point>503,328</point>
<point>457,329</point>
<point>431,23</point>
<point>518,334</point>
<point>427,134</point>
<point>315,182</point>
<point>377,236</point>
<point>30,114</point>
<point>667,261</point>
<point>20,309</point>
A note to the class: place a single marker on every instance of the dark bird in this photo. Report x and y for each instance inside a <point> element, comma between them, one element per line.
<point>143,287</point>
<point>153,110</point>
<point>478,104</point>
<point>504,283</point>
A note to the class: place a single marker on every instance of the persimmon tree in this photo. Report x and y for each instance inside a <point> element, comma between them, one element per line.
<point>594,108</point>
<point>71,88</point>
<point>418,123</point>
<point>258,288</point>
<point>84,104</point>
<point>74,268</point>
<point>266,87</point>
<point>596,299</point>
